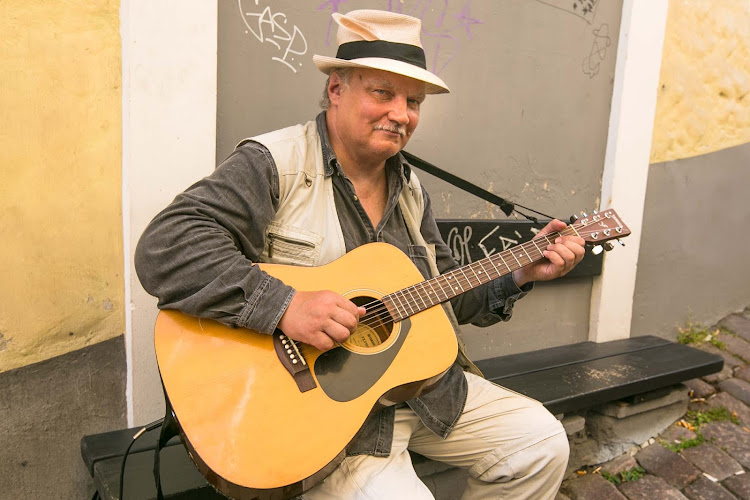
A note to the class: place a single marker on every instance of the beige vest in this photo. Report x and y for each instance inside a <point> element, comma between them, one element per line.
<point>306,230</point>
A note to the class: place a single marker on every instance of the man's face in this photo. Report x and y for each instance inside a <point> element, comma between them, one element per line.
<point>375,113</point>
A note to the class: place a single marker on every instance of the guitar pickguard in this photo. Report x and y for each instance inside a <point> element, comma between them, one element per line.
<point>345,375</point>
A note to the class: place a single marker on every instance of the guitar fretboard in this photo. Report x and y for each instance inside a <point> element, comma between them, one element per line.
<point>416,298</point>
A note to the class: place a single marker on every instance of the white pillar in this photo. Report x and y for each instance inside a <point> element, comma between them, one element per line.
<point>626,163</point>
<point>169,51</point>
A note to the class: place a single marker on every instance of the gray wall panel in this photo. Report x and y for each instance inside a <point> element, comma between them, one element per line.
<point>45,410</point>
<point>693,263</point>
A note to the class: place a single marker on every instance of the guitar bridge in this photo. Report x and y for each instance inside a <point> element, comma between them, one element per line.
<point>293,360</point>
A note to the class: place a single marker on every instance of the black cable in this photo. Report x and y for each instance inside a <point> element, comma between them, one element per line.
<point>149,427</point>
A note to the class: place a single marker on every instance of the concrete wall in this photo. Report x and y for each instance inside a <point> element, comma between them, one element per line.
<point>62,359</point>
<point>692,265</point>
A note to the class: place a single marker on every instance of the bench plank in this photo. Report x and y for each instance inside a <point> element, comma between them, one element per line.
<point>528,362</point>
<point>578,385</point>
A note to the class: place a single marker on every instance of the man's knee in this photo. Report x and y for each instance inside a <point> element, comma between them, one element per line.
<point>544,462</point>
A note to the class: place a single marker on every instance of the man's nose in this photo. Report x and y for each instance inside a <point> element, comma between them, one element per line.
<point>399,111</point>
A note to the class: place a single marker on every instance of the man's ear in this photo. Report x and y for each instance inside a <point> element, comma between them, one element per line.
<point>335,85</point>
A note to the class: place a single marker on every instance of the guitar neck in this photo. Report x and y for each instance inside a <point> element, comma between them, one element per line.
<point>416,298</point>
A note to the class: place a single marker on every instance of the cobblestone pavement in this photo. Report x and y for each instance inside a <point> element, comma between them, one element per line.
<point>705,455</point>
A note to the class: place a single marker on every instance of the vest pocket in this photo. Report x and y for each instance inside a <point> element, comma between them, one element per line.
<point>292,245</point>
<point>418,255</point>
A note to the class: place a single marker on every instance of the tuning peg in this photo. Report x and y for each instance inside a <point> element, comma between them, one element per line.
<point>584,214</point>
<point>620,242</point>
<point>597,250</point>
<point>595,212</point>
<point>573,218</point>
<point>608,246</point>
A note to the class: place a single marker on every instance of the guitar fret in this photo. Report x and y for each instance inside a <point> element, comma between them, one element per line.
<point>519,263</point>
<point>397,295</point>
<point>506,264</point>
<point>410,300</point>
<point>452,276</point>
<point>424,294</point>
<point>415,292</point>
<point>489,277</point>
<point>465,277</point>
<point>527,254</point>
<point>443,281</point>
<point>437,296</point>
<point>471,268</point>
<point>537,248</point>
<point>495,268</point>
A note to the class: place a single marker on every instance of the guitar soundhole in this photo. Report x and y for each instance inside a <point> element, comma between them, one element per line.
<point>375,328</point>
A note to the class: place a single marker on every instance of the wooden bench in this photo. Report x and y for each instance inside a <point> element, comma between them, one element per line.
<point>565,379</point>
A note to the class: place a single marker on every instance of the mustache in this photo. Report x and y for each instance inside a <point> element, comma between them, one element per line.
<point>394,129</point>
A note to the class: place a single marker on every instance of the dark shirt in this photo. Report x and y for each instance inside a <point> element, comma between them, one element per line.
<point>197,256</point>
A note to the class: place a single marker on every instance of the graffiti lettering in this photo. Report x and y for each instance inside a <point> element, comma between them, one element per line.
<point>598,50</point>
<point>585,9</point>
<point>443,28</point>
<point>459,244</point>
<point>269,27</point>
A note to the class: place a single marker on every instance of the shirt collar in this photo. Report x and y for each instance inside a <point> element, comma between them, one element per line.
<point>329,155</point>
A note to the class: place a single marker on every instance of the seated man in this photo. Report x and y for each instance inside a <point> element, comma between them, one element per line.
<point>308,194</point>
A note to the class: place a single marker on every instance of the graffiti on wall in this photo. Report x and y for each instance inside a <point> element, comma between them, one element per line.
<point>473,240</point>
<point>598,52</point>
<point>585,9</point>
<point>274,28</point>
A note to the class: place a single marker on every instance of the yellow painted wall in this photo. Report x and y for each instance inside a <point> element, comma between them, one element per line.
<point>61,257</point>
<point>704,100</point>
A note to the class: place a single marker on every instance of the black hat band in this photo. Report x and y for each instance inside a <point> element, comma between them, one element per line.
<point>379,48</point>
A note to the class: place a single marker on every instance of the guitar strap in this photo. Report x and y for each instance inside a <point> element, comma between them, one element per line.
<point>506,206</point>
<point>169,429</point>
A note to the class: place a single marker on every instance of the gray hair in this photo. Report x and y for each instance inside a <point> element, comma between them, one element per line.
<point>345,74</point>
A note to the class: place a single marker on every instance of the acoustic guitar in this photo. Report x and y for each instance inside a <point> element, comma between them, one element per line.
<point>265,417</point>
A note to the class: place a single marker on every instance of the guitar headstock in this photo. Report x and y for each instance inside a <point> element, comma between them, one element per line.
<point>600,227</point>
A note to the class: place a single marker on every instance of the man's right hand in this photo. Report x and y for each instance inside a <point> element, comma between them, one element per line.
<point>322,319</point>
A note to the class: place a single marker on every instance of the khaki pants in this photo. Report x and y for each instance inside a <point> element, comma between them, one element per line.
<point>511,445</point>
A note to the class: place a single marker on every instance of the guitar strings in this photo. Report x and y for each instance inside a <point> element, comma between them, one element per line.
<point>381,311</point>
<point>377,312</point>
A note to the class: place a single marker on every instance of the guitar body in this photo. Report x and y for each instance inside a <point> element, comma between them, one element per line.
<point>249,427</point>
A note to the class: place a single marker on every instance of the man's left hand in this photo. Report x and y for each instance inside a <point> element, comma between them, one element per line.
<point>561,256</point>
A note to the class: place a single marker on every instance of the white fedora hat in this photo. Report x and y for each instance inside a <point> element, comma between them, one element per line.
<point>381,40</point>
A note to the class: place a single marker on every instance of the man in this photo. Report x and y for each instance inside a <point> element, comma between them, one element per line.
<point>308,194</point>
